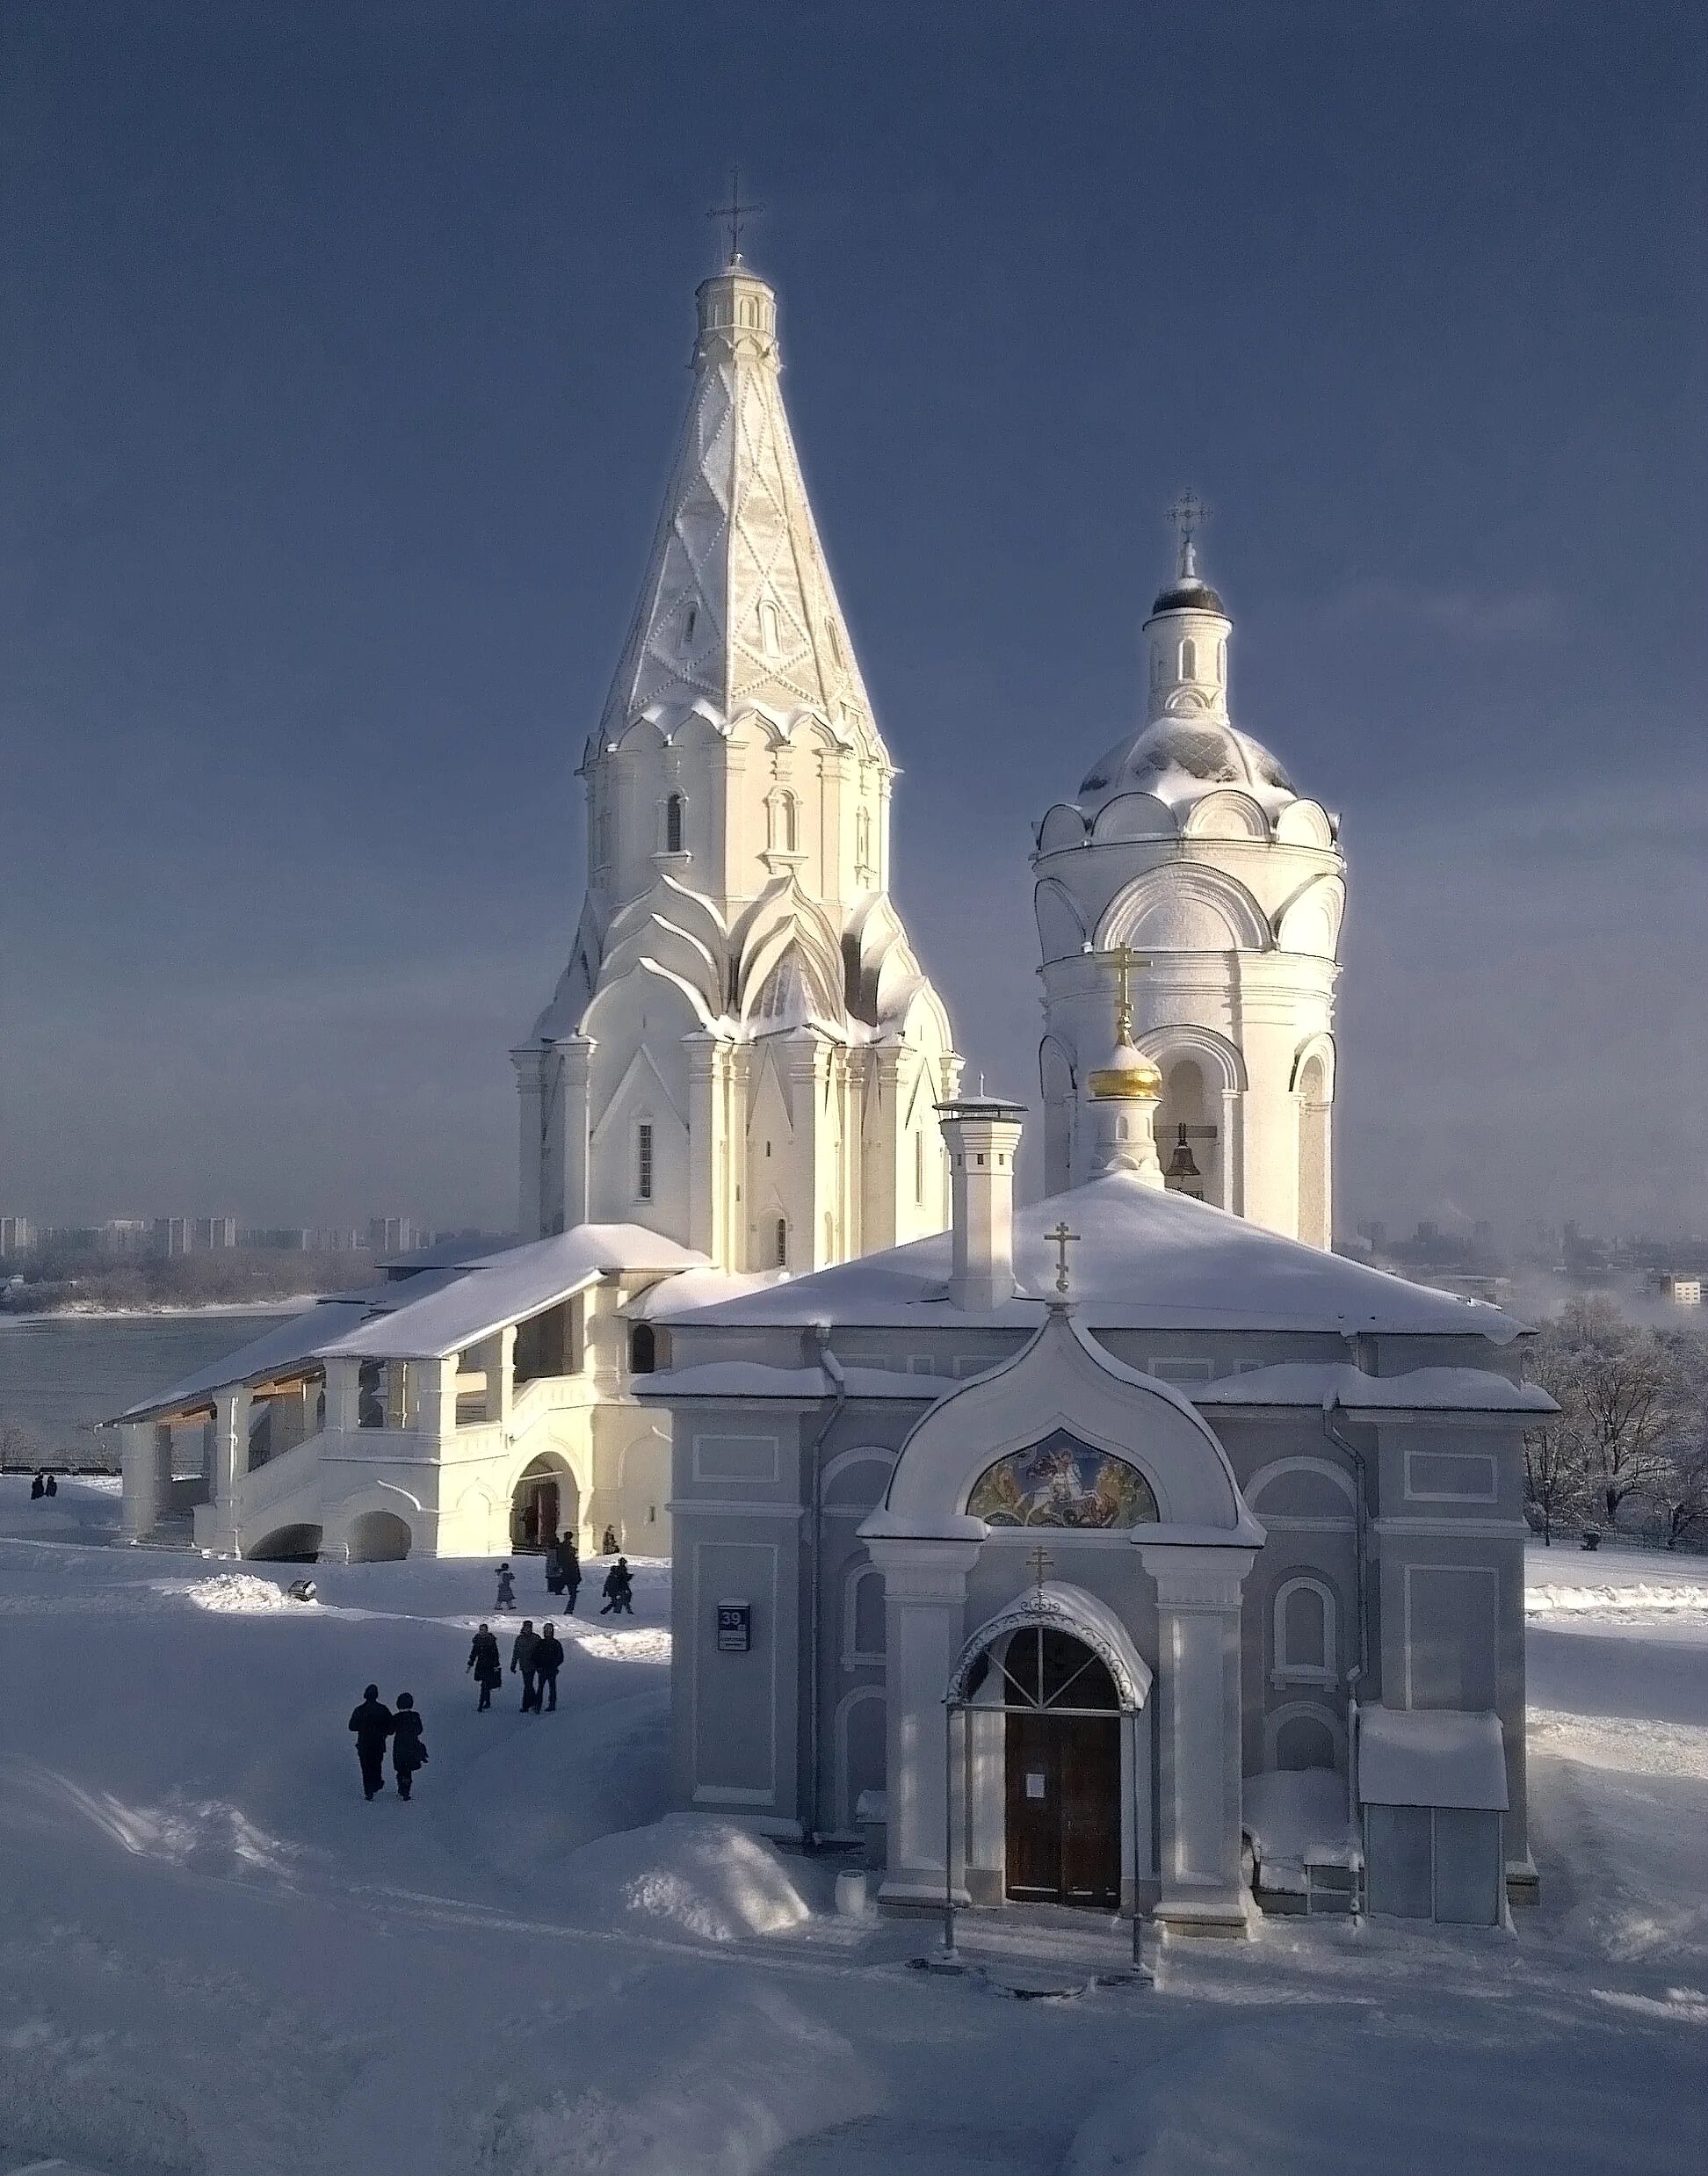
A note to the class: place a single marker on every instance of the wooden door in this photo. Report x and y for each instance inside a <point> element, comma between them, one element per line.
<point>1064,1809</point>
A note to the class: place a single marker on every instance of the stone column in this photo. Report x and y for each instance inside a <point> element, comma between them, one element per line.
<point>140,1463</point>
<point>1197,1615</point>
<point>343,1384</point>
<point>925,1608</point>
<point>435,1388</point>
<point>530,1091</point>
<point>228,1442</point>
<point>498,1360</point>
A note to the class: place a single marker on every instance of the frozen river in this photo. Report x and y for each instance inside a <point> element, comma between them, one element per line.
<point>62,1374</point>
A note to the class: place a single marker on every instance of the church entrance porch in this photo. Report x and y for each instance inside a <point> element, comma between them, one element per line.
<point>543,1499</point>
<point>1063,1769</point>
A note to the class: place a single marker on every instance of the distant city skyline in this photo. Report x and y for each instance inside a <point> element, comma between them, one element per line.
<point>348,350</point>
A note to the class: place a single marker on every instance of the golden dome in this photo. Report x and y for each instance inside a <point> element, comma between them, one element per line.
<point>1128,1077</point>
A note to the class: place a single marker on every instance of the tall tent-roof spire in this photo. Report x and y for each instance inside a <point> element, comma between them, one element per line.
<point>737,611</point>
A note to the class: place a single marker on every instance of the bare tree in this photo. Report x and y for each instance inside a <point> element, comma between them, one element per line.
<point>1629,1394</point>
<point>1555,1469</point>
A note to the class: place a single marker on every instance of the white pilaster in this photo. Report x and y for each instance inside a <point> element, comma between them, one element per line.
<point>1198,1611</point>
<point>925,1609</point>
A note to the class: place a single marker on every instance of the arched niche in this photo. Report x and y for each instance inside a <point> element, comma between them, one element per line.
<point>1060,926</point>
<point>1184,908</point>
<point>1063,826</point>
<point>1305,824</point>
<point>1228,813</point>
<point>1310,923</point>
<point>1134,815</point>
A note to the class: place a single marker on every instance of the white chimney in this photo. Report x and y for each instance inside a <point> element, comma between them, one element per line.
<point>981,1134</point>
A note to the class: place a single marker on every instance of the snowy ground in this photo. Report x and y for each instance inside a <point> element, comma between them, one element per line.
<point>214,1957</point>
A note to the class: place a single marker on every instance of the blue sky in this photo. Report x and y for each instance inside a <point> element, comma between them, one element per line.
<point>345,347</point>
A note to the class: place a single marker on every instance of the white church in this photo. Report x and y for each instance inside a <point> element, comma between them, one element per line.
<point>1128,1549</point>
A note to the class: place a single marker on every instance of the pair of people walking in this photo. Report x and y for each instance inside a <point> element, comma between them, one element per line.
<point>375,1725</point>
<point>619,1590</point>
<point>536,1657</point>
<point>43,1484</point>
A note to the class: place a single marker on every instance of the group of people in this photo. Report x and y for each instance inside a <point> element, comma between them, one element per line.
<point>43,1483</point>
<point>563,1576</point>
<point>536,1657</point>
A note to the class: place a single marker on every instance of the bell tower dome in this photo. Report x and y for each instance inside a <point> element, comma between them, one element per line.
<point>1190,851</point>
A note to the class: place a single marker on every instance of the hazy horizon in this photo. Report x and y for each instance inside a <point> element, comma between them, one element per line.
<point>347,350</point>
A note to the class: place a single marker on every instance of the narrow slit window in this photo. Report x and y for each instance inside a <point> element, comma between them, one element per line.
<point>1189,659</point>
<point>919,1170</point>
<point>782,1236</point>
<point>643,1163</point>
<point>673,824</point>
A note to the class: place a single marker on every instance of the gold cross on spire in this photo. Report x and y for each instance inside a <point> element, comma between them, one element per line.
<point>736,212</point>
<point>1063,1239</point>
<point>1041,1560</point>
<point>1125,960</point>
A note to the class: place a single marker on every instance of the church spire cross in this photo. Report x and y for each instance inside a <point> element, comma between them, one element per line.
<point>1188,514</point>
<point>736,212</point>
<point>1062,1239</point>
<point>1125,960</point>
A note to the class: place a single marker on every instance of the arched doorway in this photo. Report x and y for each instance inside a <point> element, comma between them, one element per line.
<point>543,1504</point>
<point>379,1537</point>
<point>1049,1695</point>
<point>1061,1760</point>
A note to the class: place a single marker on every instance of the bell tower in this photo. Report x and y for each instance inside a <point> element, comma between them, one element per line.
<point>1190,843</point>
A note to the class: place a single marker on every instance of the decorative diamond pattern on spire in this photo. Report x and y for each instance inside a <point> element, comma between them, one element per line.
<point>737,610</point>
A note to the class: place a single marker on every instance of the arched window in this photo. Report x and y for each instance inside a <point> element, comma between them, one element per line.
<point>1221,661</point>
<point>864,1635</point>
<point>784,825</point>
<point>919,1171</point>
<point>602,836</point>
<point>690,623</point>
<point>767,640</point>
<point>1189,659</point>
<point>643,1348</point>
<point>643,1161</point>
<point>863,841</point>
<point>835,640</point>
<point>829,1236</point>
<point>1305,1644</point>
<point>673,824</point>
<point>782,1243</point>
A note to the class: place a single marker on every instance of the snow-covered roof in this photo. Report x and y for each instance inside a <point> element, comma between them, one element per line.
<point>505,1287</point>
<point>1418,1390</point>
<point>287,1344</point>
<point>699,1287</point>
<point>1146,1259</point>
<point>1180,759</point>
<point>1431,1757</point>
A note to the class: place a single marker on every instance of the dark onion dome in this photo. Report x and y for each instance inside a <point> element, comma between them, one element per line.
<point>1190,597</point>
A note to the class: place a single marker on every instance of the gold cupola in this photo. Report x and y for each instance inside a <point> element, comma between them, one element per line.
<point>1129,1076</point>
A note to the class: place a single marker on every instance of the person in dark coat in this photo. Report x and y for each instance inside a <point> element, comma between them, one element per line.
<point>485,1662</point>
<point>37,1490</point>
<point>408,1747</point>
<point>608,1547</point>
<point>372,1723</point>
<point>569,1571</point>
<point>50,1487</point>
<point>524,1662</point>
<point>548,1660</point>
<point>506,1589</point>
<point>553,1566</point>
<point>619,1590</point>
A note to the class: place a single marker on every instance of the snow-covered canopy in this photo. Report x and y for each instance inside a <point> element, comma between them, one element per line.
<point>1179,760</point>
<point>1144,1258</point>
<point>498,1289</point>
<point>1418,1390</point>
<point>1431,1757</point>
<point>287,1345</point>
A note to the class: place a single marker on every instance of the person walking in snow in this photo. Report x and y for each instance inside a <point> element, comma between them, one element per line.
<point>608,1547</point>
<point>50,1487</point>
<point>553,1564</point>
<point>408,1746</point>
<point>487,1665</point>
<point>524,1662</point>
<point>372,1723</point>
<point>569,1571</point>
<point>506,1589</point>
<point>37,1490</point>
<point>619,1590</point>
<point>548,1660</point>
